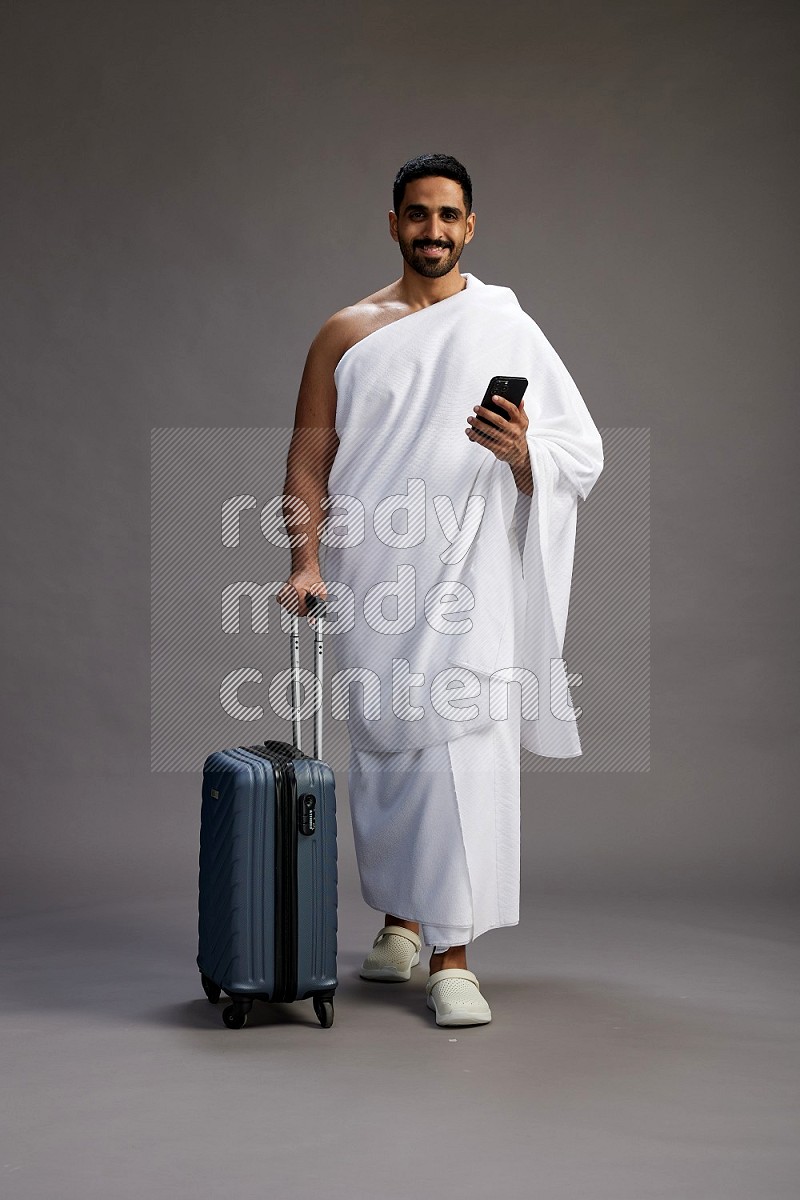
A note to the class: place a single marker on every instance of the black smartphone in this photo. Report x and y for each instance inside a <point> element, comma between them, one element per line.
<point>512,387</point>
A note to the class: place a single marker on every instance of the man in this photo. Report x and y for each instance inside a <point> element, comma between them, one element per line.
<point>389,423</point>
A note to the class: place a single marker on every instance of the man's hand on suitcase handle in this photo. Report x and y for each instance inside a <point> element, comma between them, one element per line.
<point>303,593</point>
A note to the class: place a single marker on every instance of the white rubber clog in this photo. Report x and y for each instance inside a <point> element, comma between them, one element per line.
<point>454,994</point>
<point>394,952</point>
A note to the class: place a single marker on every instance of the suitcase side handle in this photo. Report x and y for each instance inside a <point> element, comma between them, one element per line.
<point>315,606</point>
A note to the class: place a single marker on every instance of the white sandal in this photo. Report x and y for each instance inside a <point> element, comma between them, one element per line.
<point>394,952</point>
<point>454,995</point>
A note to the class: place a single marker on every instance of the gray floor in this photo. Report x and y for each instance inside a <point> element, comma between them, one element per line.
<point>638,1050</point>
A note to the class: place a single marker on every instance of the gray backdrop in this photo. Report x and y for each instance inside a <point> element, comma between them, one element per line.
<point>189,190</point>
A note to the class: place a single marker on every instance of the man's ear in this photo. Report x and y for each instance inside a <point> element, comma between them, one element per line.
<point>470,227</point>
<point>393,225</point>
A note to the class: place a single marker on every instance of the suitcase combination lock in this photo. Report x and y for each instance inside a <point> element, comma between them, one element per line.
<point>307,813</point>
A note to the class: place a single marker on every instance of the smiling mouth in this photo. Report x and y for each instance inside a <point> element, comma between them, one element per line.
<point>434,250</point>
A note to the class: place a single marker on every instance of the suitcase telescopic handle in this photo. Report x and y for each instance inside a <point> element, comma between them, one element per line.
<point>315,606</point>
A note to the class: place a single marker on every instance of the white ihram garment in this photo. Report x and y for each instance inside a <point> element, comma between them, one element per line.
<point>476,579</point>
<point>437,831</point>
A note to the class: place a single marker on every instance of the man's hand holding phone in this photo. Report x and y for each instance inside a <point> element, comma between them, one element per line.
<point>503,410</point>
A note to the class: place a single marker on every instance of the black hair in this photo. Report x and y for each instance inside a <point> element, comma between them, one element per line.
<point>431,164</point>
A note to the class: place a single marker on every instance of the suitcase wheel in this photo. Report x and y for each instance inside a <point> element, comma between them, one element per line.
<point>323,1007</point>
<point>235,1015</point>
<point>211,989</point>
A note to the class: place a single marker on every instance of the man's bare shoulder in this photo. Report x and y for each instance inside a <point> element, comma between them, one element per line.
<point>349,325</point>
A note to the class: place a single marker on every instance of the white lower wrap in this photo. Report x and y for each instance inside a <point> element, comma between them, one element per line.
<point>437,832</point>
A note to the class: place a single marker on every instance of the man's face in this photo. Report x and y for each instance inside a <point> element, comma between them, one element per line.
<point>432,226</point>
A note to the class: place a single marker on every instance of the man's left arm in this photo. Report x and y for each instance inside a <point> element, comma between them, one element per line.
<point>523,475</point>
<point>507,440</point>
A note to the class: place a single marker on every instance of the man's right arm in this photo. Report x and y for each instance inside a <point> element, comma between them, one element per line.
<point>311,454</point>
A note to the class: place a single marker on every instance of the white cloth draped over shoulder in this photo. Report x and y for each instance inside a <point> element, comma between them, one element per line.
<point>465,564</point>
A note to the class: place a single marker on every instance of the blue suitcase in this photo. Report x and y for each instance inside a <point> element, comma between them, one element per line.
<point>268,884</point>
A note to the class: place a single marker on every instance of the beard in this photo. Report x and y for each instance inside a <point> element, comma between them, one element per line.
<point>431,268</point>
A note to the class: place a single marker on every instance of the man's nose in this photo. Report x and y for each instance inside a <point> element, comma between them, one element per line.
<point>434,230</point>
